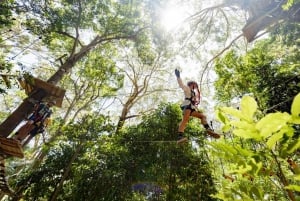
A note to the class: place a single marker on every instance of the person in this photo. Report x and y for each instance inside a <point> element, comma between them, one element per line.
<point>37,119</point>
<point>189,108</point>
<point>38,129</point>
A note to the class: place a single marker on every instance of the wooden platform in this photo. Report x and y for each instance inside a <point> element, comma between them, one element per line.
<point>31,83</point>
<point>11,147</point>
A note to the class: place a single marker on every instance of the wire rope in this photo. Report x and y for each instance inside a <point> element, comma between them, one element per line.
<point>26,47</point>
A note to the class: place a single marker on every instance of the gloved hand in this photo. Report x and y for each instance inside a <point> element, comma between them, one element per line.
<point>177,73</point>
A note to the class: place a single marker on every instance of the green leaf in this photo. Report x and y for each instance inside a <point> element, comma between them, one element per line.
<point>248,107</point>
<point>255,167</point>
<point>295,110</point>
<point>234,112</point>
<point>243,169</point>
<point>293,146</point>
<point>243,188</point>
<point>243,125</point>
<point>224,147</point>
<point>297,177</point>
<point>272,123</point>
<point>245,130</point>
<point>246,134</point>
<point>257,193</point>
<point>289,147</point>
<point>221,117</point>
<point>226,128</point>
<point>293,187</point>
<point>276,137</point>
<point>273,139</point>
<point>244,152</point>
<point>295,120</point>
<point>289,4</point>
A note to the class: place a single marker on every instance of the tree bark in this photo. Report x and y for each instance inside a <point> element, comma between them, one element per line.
<point>26,107</point>
<point>20,113</point>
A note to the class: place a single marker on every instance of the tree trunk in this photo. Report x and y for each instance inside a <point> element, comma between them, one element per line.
<point>72,60</point>
<point>26,107</point>
<point>266,13</point>
<point>20,113</point>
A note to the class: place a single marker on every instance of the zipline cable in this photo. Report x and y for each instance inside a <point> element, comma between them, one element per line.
<point>26,47</point>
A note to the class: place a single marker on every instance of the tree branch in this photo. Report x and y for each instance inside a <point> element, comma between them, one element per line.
<point>76,41</point>
<point>70,36</point>
<point>217,55</point>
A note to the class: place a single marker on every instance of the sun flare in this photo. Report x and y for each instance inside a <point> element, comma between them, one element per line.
<point>172,17</point>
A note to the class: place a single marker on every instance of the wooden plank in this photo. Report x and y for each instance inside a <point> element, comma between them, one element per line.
<point>26,107</point>
<point>52,90</point>
<point>11,147</point>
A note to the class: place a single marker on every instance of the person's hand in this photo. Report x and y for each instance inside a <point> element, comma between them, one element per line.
<point>177,73</point>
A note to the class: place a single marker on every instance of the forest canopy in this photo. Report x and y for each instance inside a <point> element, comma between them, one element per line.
<point>107,68</point>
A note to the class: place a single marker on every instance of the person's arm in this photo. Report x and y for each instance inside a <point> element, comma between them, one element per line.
<point>179,80</point>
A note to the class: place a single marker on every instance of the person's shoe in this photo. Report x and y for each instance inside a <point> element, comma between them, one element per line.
<point>181,138</point>
<point>211,133</point>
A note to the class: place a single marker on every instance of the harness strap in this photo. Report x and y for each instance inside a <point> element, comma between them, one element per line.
<point>190,99</point>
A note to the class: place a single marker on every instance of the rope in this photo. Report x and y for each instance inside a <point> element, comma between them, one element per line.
<point>161,141</point>
<point>155,141</point>
<point>26,47</point>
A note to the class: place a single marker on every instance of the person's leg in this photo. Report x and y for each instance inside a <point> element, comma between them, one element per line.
<point>23,131</point>
<point>185,119</point>
<point>182,125</point>
<point>202,117</point>
<point>27,140</point>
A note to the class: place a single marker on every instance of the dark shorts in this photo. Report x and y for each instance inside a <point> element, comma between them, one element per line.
<point>187,107</point>
<point>35,118</point>
<point>36,130</point>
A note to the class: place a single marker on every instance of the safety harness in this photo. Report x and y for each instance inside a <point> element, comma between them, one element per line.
<point>191,99</point>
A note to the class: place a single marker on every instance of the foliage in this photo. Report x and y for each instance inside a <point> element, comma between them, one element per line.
<point>269,144</point>
<point>5,69</point>
<point>40,182</point>
<point>95,80</point>
<point>107,168</point>
<point>287,34</point>
<point>258,148</point>
<point>89,162</point>
<point>181,173</point>
<point>6,21</point>
<point>60,22</point>
<point>6,18</point>
<point>289,4</point>
<point>270,76</point>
